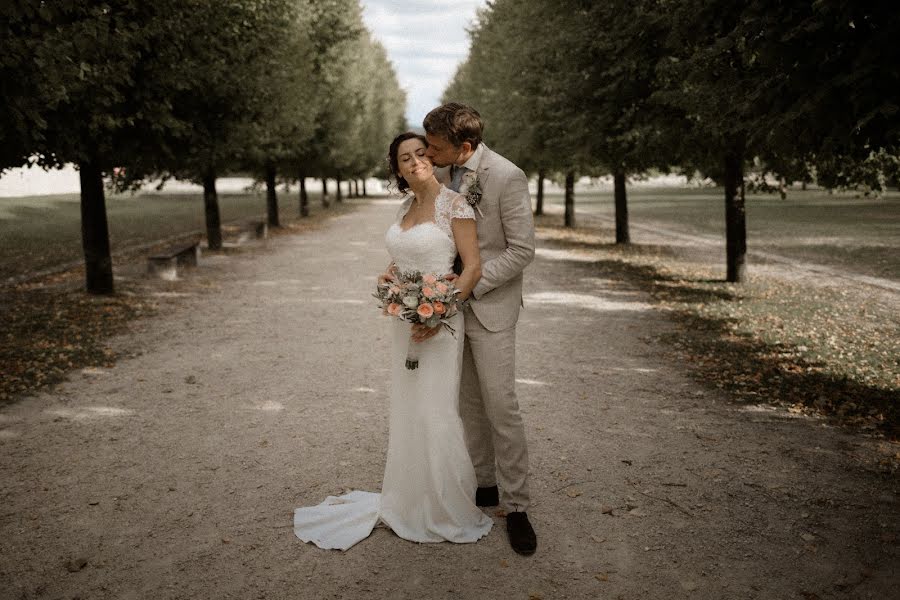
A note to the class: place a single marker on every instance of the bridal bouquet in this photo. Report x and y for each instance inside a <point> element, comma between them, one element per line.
<point>417,298</point>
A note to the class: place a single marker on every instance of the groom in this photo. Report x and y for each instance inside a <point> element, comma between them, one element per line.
<point>498,191</point>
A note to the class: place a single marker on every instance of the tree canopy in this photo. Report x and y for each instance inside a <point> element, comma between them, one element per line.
<point>192,88</point>
<point>711,86</point>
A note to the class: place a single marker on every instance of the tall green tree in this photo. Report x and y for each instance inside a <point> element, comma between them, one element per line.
<point>605,71</point>
<point>84,83</point>
<point>518,74</point>
<point>785,83</point>
<point>288,101</point>
<point>236,49</point>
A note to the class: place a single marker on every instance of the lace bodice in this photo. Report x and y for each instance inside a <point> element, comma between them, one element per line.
<point>428,247</point>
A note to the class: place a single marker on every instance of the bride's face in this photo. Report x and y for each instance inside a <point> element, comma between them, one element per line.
<point>411,161</point>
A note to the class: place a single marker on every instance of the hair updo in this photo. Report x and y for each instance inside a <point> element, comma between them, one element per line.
<point>394,163</point>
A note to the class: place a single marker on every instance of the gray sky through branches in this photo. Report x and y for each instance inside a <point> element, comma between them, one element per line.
<point>425,40</point>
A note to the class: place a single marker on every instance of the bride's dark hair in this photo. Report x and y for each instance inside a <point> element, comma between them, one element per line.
<point>394,164</point>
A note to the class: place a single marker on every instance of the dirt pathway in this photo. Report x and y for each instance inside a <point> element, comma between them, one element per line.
<point>175,473</point>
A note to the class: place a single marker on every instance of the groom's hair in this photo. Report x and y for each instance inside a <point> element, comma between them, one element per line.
<point>456,122</point>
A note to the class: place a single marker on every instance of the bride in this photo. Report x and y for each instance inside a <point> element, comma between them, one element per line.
<point>428,491</point>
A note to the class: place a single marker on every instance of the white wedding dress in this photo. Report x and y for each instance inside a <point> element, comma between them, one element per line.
<point>428,491</point>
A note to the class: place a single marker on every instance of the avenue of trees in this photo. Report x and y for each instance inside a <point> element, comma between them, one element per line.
<point>130,91</point>
<point>800,91</point>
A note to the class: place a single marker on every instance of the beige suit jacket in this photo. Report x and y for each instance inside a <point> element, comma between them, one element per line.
<point>505,238</point>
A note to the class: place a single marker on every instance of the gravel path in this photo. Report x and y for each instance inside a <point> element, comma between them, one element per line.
<point>175,473</point>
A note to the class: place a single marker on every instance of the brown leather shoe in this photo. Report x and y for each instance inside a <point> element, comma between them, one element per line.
<point>487,496</point>
<point>521,534</point>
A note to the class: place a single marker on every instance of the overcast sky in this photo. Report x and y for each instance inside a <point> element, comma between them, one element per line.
<point>425,40</point>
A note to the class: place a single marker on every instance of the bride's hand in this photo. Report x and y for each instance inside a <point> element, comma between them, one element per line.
<point>421,332</point>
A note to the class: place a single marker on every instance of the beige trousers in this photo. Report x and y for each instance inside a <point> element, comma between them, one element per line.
<point>494,432</point>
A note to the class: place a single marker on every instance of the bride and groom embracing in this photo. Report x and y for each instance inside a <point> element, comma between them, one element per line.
<point>457,440</point>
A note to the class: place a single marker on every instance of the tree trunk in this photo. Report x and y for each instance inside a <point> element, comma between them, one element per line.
<point>95,231</point>
<point>339,195</point>
<point>211,208</point>
<point>570,199</point>
<point>325,202</point>
<point>621,195</point>
<point>735,217</point>
<point>365,194</point>
<point>271,196</point>
<point>356,188</point>
<point>539,207</point>
<point>304,198</point>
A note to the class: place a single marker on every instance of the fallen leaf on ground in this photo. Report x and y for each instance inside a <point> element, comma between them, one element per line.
<point>75,565</point>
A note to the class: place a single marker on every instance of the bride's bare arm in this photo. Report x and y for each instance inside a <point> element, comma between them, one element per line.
<point>465,233</point>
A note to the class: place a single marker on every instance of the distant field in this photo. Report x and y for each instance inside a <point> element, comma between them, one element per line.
<point>40,232</point>
<point>857,234</point>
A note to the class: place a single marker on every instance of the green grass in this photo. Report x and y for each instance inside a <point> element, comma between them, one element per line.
<point>857,234</point>
<point>41,232</point>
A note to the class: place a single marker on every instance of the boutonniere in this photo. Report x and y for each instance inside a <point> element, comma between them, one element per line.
<point>471,189</point>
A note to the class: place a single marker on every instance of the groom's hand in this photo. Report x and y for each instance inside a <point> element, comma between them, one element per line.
<point>421,332</point>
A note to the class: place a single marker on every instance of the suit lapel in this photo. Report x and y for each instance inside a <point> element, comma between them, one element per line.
<point>484,167</point>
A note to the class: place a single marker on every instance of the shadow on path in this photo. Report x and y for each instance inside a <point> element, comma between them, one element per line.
<point>724,354</point>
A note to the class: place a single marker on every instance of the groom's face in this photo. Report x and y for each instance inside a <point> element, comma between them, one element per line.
<point>442,153</point>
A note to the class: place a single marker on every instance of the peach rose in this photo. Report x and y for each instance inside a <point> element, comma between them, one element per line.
<point>394,290</point>
<point>394,309</point>
<point>427,292</point>
<point>425,310</point>
<point>439,308</point>
<point>441,288</point>
<point>429,279</point>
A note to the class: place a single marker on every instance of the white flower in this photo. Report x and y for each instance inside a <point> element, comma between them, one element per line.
<point>468,178</point>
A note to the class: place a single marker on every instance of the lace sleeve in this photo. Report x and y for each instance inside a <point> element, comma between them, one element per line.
<point>404,207</point>
<point>460,208</point>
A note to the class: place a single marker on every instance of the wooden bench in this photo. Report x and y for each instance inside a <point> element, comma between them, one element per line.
<point>166,265</point>
<point>258,230</point>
